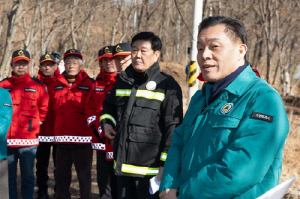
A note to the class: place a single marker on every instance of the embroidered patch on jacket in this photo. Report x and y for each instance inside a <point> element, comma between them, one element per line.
<point>6,104</point>
<point>30,90</point>
<point>260,116</point>
<point>59,87</point>
<point>151,85</point>
<point>226,108</point>
<point>85,88</point>
<point>99,89</point>
<point>8,89</point>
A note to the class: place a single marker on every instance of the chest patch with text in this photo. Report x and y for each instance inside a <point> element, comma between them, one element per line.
<point>260,116</point>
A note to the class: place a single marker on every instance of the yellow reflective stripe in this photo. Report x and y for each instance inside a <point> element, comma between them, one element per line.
<point>123,92</point>
<point>163,156</point>
<point>127,168</point>
<point>150,95</point>
<point>115,164</point>
<point>107,116</point>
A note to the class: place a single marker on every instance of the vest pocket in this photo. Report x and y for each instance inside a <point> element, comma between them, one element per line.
<point>143,149</point>
<point>28,101</point>
<point>28,122</point>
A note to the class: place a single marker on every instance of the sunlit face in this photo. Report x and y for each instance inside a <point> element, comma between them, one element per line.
<point>218,56</point>
<point>72,66</point>
<point>122,62</point>
<point>48,68</point>
<point>142,55</point>
<point>109,65</point>
<point>20,67</point>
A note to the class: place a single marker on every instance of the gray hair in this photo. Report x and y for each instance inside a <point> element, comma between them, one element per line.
<point>76,58</point>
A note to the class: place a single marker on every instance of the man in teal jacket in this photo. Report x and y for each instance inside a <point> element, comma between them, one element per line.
<point>6,110</point>
<point>231,140</point>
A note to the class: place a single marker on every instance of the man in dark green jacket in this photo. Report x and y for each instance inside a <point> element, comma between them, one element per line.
<point>231,140</point>
<point>6,111</point>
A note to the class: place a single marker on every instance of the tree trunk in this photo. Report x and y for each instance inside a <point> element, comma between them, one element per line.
<point>13,21</point>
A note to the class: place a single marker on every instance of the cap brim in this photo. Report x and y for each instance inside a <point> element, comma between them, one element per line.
<point>99,58</point>
<point>122,53</point>
<point>20,58</point>
<point>48,60</point>
<point>69,54</point>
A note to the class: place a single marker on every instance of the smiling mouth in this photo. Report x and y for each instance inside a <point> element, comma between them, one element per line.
<point>206,66</point>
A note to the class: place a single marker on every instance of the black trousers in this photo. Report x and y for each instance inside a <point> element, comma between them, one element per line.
<point>82,158</point>
<point>107,181</point>
<point>42,162</point>
<point>135,188</point>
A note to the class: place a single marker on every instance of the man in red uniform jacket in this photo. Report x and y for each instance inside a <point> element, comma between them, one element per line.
<point>48,74</point>
<point>30,105</point>
<point>104,83</point>
<point>71,134</point>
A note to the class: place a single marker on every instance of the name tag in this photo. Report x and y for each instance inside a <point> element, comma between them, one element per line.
<point>59,87</point>
<point>30,90</point>
<point>6,104</point>
<point>85,88</point>
<point>260,116</point>
<point>8,89</point>
<point>99,89</point>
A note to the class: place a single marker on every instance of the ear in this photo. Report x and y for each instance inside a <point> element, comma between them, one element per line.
<point>242,51</point>
<point>156,54</point>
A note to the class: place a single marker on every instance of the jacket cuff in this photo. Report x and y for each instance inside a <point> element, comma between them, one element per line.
<point>107,119</point>
<point>163,157</point>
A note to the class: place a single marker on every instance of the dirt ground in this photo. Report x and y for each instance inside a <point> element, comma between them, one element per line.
<point>291,163</point>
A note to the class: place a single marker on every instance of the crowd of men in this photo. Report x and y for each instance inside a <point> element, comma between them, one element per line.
<point>132,116</point>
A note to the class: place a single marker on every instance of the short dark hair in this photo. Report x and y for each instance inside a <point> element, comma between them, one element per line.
<point>235,29</point>
<point>148,36</point>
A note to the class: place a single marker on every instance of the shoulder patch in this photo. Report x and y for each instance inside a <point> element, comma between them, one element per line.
<point>59,87</point>
<point>85,88</point>
<point>37,80</point>
<point>30,90</point>
<point>6,104</point>
<point>260,116</point>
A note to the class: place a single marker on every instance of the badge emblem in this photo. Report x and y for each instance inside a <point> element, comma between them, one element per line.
<point>226,108</point>
<point>118,48</point>
<point>21,53</point>
<point>72,51</point>
<point>47,56</point>
<point>151,85</point>
<point>106,50</point>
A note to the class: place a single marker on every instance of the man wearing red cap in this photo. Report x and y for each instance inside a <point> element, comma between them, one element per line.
<point>48,74</point>
<point>30,105</point>
<point>122,55</point>
<point>72,136</point>
<point>104,83</point>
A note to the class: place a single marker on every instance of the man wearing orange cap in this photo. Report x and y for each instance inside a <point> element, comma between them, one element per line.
<point>104,83</point>
<point>48,74</point>
<point>30,105</point>
<point>72,136</point>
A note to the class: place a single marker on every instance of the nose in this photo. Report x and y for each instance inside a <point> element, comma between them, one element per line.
<point>138,54</point>
<point>206,53</point>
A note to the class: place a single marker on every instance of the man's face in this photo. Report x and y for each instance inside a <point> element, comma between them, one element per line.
<point>218,56</point>
<point>72,66</point>
<point>142,55</point>
<point>122,62</point>
<point>109,65</point>
<point>20,67</point>
<point>48,68</point>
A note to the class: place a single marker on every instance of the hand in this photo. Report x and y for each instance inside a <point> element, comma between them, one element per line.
<point>168,194</point>
<point>109,131</point>
<point>160,172</point>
